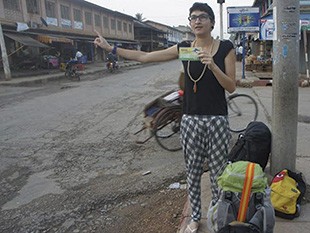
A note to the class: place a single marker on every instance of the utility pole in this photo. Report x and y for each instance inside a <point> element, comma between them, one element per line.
<point>5,60</point>
<point>243,55</point>
<point>221,17</point>
<point>285,84</point>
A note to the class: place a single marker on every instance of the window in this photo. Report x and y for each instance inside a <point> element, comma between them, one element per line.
<point>77,14</point>
<point>105,22</point>
<point>11,4</point>
<point>64,11</point>
<point>113,24</point>
<point>50,9</point>
<point>32,6</point>
<point>125,27</point>
<point>97,21</point>
<point>130,28</point>
<point>88,18</point>
<point>119,25</point>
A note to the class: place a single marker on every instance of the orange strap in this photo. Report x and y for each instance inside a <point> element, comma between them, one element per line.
<point>246,192</point>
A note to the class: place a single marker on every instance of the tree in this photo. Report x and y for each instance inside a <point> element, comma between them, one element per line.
<point>139,17</point>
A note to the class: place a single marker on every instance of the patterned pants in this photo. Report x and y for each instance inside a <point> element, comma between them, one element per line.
<point>203,138</point>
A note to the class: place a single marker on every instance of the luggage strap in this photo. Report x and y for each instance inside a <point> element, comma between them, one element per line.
<point>246,192</point>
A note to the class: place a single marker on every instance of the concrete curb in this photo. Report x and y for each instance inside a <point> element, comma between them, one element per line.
<point>44,78</point>
<point>265,82</point>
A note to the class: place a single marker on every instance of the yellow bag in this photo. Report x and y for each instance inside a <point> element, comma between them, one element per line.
<point>285,195</point>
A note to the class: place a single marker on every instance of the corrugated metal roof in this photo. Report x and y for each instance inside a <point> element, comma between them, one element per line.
<point>26,40</point>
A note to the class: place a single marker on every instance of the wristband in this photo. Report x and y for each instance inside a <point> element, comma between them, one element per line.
<point>114,49</point>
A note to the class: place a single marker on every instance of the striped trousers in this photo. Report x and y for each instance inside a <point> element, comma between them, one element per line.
<point>204,139</point>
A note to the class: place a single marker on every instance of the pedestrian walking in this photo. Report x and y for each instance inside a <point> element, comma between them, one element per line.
<point>204,126</point>
<point>239,52</point>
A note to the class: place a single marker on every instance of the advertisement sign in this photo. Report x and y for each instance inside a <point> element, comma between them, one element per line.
<point>243,19</point>
<point>266,29</point>
<point>305,25</point>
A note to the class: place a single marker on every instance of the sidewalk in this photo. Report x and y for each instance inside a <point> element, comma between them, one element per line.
<point>263,96</point>
<point>43,76</point>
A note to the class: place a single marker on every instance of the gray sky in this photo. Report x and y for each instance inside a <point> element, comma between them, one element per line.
<point>170,12</point>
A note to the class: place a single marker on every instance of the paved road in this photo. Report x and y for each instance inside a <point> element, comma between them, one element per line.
<point>67,148</point>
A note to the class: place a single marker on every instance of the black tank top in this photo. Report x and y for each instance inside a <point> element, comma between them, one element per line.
<point>210,96</point>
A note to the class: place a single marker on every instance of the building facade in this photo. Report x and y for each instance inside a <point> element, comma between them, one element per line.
<point>262,46</point>
<point>36,29</point>
<point>64,26</point>
<point>149,37</point>
<point>172,34</point>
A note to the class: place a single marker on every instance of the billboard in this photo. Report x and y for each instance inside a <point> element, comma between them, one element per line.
<point>243,19</point>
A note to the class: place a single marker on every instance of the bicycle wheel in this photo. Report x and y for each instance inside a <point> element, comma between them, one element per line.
<point>67,74</point>
<point>76,77</point>
<point>242,109</point>
<point>167,128</point>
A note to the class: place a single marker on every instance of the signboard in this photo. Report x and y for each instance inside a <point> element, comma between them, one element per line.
<point>51,21</point>
<point>266,29</point>
<point>243,19</point>
<point>305,25</point>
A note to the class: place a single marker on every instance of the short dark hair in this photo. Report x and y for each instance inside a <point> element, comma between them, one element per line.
<point>202,7</point>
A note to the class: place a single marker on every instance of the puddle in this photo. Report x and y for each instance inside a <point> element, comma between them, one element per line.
<point>37,186</point>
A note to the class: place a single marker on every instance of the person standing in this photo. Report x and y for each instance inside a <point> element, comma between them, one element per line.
<point>239,52</point>
<point>204,125</point>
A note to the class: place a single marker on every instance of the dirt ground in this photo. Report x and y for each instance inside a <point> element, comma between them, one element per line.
<point>160,211</point>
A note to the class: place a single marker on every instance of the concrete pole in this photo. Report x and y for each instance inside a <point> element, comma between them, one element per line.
<point>304,32</point>
<point>221,21</point>
<point>5,59</point>
<point>285,84</point>
<point>243,55</point>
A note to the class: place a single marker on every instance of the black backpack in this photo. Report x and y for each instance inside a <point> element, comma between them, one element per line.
<point>254,145</point>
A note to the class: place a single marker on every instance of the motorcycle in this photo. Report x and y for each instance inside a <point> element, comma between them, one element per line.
<point>112,66</point>
<point>71,71</point>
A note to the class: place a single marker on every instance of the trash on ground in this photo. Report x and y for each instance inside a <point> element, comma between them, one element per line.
<point>146,173</point>
<point>175,185</point>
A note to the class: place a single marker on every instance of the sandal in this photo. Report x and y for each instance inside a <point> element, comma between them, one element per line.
<point>191,230</point>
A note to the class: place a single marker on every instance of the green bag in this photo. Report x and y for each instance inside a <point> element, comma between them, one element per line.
<point>256,213</point>
<point>232,178</point>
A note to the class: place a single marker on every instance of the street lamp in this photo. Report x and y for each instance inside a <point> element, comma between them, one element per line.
<point>221,17</point>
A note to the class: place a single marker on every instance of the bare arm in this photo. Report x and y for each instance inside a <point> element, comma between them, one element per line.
<point>227,79</point>
<point>156,56</point>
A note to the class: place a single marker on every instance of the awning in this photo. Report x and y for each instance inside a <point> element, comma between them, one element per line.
<point>305,16</point>
<point>302,16</point>
<point>267,17</point>
<point>111,41</point>
<point>25,40</point>
<point>50,39</point>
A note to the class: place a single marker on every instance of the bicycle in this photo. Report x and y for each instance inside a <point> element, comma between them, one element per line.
<point>242,109</point>
<point>167,128</point>
<point>71,71</point>
<point>164,119</point>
